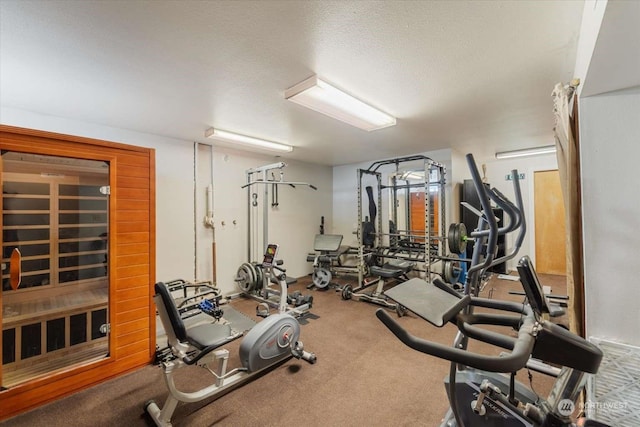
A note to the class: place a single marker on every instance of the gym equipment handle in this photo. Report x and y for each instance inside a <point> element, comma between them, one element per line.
<point>517,359</point>
<point>492,239</point>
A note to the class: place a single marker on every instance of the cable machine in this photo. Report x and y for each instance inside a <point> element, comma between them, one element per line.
<point>250,278</point>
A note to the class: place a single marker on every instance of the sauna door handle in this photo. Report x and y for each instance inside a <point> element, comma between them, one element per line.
<point>15,269</point>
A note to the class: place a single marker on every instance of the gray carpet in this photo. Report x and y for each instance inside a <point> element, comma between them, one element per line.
<point>364,376</point>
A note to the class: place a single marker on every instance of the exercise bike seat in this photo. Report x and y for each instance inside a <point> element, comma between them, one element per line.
<point>209,335</point>
<point>204,337</point>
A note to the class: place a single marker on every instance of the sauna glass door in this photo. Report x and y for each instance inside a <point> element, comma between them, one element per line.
<point>55,264</point>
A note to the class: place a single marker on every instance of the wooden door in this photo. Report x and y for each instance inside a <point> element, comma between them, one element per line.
<point>417,214</point>
<point>550,235</point>
<point>416,205</point>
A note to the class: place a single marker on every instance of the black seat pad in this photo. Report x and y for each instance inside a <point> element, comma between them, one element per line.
<point>209,335</point>
<point>392,269</point>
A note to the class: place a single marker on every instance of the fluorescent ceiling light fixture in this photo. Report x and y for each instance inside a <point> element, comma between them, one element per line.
<point>547,149</point>
<point>234,138</point>
<point>418,175</point>
<point>320,96</point>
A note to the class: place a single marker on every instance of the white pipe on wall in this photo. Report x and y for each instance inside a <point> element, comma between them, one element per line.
<point>195,211</point>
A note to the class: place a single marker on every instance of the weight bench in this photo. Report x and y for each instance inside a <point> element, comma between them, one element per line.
<point>394,269</point>
<point>330,250</point>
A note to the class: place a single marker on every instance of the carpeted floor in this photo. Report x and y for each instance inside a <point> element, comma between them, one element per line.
<point>364,376</point>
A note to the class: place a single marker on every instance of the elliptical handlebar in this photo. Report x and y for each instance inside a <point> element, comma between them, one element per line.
<point>492,240</point>
<point>514,223</point>
<point>509,208</point>
<point>514,212</point>
<point>520,223</point>
<point>517,359</point>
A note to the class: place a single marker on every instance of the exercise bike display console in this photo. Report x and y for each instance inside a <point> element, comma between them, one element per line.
<point>270,255</point>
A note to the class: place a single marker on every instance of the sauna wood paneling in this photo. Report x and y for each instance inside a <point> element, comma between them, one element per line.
<point>131,267</point>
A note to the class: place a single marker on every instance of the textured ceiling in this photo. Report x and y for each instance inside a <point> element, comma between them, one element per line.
<point>475,76</point>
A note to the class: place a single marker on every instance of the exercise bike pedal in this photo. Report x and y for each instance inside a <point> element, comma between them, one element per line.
<point>262,310</point>
<point>297,350</point>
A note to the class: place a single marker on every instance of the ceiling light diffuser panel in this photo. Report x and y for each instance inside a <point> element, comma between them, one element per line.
<point>535,151</point>
<point>320,96</point>
<point>247,141</point>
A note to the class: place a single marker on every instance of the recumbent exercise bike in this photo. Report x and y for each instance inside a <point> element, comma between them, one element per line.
<point>271,341</point>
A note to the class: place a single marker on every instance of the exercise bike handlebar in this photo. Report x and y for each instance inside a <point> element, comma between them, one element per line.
<point>517,359</point>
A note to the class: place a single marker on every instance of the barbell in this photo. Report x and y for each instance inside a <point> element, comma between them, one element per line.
<point>456,237</point>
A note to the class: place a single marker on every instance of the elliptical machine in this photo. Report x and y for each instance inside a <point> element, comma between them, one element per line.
<point>270,342</point>
<point>475,387</point>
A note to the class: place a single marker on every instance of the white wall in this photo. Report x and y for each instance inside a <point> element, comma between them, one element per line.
<point>592,16</point>
<point>293,225</point>
<point>609,133</point>
<point>607,63</point>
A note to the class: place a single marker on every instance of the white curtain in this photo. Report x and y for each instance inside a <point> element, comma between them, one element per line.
<point>567,145</point>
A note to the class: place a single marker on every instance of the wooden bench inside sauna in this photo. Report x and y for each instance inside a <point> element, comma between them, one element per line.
<point>36,332</point>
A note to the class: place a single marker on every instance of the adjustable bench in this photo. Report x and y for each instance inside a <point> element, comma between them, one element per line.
<point>394,269</point>
<point>330,251</point>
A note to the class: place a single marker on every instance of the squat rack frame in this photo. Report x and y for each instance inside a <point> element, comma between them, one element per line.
<point>430,234</point>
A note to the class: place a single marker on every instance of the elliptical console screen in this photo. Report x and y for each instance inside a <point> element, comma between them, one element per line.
<point>532,287</point>
<point>270,255</point>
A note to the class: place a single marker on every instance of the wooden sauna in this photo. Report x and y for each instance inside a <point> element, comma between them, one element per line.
<point>78,264</point>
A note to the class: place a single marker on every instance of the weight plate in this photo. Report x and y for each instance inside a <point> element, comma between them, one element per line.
<point>451,270</point>
<point>259,276</point>
<point>243,278</point>
<point>457,238</point>
<point>254,275</point>
<point>321,278</point>
<point>346,292</point>
<point>463,238</point>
